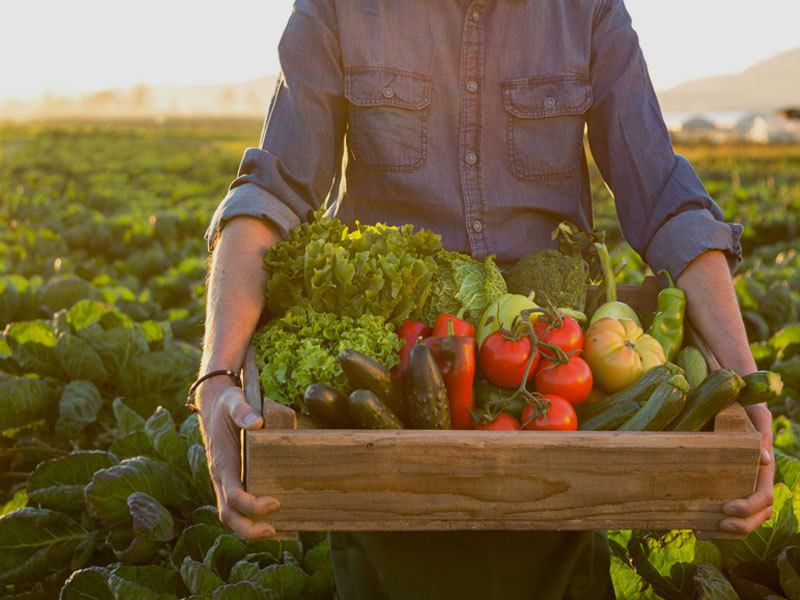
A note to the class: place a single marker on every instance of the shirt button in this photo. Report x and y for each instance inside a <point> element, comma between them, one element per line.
<point>477,226</point>
<point>472,86</point>
<point>470,158</point>
<point>549,102</point>
<point>388,92</point>
<point>476,15</point>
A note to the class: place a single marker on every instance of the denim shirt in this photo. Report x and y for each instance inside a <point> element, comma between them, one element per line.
<point>467,117</point>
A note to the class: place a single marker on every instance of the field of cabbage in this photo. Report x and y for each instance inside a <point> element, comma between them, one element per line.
<point>104,491</point>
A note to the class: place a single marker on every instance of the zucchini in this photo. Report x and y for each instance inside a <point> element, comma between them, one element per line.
<point>717,391</point>
<point>615,415</point>
<point>664,404</point>
<point>326,406</point>
<point>694,366</point>
<point>639,392</point>
<point>426,394</point>
<point>363,373</point>
<point>368,412</point>
<point>761,386</point>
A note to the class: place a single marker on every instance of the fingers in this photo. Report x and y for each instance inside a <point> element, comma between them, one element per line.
<point>745,525</point>
<point>245,527</point>
<point>240,412</point>
<point>245,503</point>
<point>762,421</point>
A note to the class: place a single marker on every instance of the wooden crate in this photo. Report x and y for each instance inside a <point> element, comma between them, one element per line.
<point>446,480</point>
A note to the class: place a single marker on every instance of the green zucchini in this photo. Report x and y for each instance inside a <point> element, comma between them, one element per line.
<point>761,386</point>
<point>368,412</point>
<point>694,366</point>
<point>664,404</point>
<point>363,373</point>
<point>638,392</point>
<point>614,416</point>
<point>717,391</point>
<point>326,406</point>
<point>426,394</point>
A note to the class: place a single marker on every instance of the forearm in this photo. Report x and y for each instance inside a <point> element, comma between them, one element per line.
<point>235,297</point>
<point>714,311</point>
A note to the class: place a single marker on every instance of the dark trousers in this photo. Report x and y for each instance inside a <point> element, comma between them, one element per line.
<point>471,565</point>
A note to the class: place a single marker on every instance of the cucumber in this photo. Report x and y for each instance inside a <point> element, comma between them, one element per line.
<point>761,386</point>
<point>638,392</point>
<point>368,412</point>
<point>717,391</point>
<point>326,406</point>
<point>614,416</point>
<point>664,404</point>
<point>426,394</point>
<point>363,373</point>
<point>694,366</point>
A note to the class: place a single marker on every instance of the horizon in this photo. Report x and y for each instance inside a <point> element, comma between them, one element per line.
<point>238,55</point>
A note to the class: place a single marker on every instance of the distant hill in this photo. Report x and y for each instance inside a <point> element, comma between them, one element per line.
<point>766,86</point>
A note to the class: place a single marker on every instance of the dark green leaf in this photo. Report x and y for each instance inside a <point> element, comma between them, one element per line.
<point>275,548</point>
<point>157,372</point>
<point>62,291</point>
<point>244,590</point>
<point>288,581</point>
<point>78,408</point>
<point>149,519</point>
<point>36,541</point>
<point>170,447</point>
<point>107,494</point>
<point>207,515</point>
<point>133,444</point>
<point>117,348</point>
<point>78,360</point>
<point>58,483</point>
<point>789,568</point>
<point>201,478</point>
<point>33,346</point>
<point>787,469</point>
<point>23,400</point>
<point>195,542</point>
<point>243,570</point>
<point>190,430</point>
<point>87,584</point>
<point>712,585</point>
<point>223,554</point>
<point>152,577</point>
<point>198,577</point>
<point>128,421</point>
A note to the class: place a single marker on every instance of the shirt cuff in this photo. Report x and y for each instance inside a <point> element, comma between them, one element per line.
<point>689,234</point>
<point>251,200</point>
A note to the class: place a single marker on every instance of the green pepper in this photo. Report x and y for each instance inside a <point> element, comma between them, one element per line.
<point>667,325</point>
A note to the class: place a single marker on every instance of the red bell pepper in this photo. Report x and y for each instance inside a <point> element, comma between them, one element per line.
<point>461,328</point>
<point>409,332</point>
<point>455,356</point>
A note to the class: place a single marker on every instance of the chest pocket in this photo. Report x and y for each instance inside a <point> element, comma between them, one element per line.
<point>388,117</point>
<point>545,122</point>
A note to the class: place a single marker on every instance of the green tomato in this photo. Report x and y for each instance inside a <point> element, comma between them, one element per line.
<point>502,313</point>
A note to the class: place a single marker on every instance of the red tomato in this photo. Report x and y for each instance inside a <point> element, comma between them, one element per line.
<point>503,422</point>
<point>502,359</point>
<point>568,337</point>
<point>560,416</point>
<point>572,380</point>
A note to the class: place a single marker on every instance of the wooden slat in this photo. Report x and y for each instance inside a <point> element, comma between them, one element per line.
<point>733,419</point>
<point>443,480</point>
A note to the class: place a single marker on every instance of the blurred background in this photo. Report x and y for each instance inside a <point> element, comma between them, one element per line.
<point>723,70</point>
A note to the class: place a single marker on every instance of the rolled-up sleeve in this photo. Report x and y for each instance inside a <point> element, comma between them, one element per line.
<point>663,208</point>
<point>292,170</point>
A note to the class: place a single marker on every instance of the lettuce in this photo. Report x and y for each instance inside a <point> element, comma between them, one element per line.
<point>301,347</point>
<point>370,270</point>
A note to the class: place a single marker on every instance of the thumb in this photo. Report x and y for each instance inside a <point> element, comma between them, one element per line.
<point>241,413</point>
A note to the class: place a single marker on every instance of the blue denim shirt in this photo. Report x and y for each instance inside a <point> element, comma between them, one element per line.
<point>468,118</point>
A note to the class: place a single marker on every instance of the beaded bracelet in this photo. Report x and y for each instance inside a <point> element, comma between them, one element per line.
<point>189,398</point>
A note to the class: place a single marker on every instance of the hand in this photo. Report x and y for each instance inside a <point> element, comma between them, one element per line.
<point>223,412</point>
<point>745,515</point>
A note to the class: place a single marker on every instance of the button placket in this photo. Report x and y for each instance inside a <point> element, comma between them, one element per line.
<point>471,125</point>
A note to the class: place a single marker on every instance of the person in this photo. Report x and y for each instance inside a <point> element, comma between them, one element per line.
<point>465,117</point>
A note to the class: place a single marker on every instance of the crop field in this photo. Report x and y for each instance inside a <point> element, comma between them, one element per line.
<point>104,489</point>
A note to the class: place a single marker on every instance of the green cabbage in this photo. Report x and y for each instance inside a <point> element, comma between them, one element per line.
<point>463,285</point>
<point>300,348</point>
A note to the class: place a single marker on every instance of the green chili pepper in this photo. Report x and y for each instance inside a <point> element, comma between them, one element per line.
<point>667,325</point>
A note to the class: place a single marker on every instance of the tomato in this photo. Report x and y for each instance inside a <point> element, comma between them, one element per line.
<point>502,359</point>
<point>572,380</point>
<point>619,352</point>
<point>559,415</point>
<point>503,422</point>
<point>568,337</point>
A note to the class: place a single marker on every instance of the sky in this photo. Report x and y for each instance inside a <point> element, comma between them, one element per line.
<point>72,46</point>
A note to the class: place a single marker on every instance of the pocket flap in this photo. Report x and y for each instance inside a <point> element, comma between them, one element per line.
<point>547,96</point>
<point>384,86</point>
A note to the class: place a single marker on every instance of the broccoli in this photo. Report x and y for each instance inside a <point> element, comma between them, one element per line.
<point>553,277</point>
